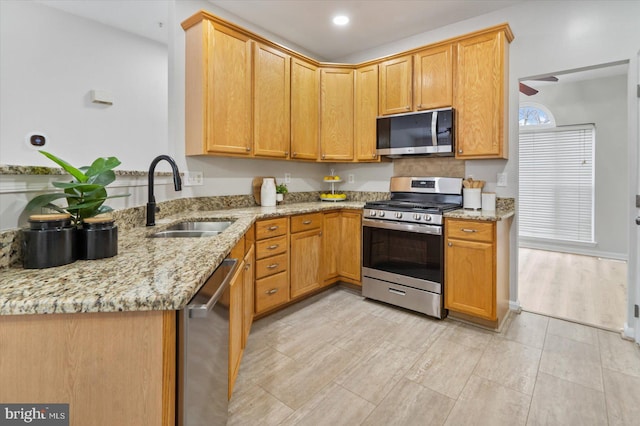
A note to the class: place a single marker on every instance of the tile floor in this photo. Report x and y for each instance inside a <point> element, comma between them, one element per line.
<point>338,359</point>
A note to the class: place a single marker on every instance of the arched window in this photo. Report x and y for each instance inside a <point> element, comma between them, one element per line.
<point>533,114</point>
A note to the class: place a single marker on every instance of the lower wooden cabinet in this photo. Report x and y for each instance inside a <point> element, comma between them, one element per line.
<point>306,254</point>
<point>271,291</point>
<point>331,243</point>
<point>477,270</point>
<point>350,259</point>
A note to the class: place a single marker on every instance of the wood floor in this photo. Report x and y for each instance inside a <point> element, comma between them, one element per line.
<point>584,289</point>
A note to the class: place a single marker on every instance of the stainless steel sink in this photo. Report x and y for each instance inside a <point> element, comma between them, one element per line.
<point>193,230</point>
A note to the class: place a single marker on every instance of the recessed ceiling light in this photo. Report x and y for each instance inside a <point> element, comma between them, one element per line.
<point>341,20</point>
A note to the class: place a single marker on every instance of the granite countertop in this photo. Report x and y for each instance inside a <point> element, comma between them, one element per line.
<point>488,215</point>
<point>147,273</point>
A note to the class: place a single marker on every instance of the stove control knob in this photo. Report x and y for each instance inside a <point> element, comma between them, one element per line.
<point>398,215</point>
<point>381,213</point>
<point>427,217</point>
<point>372,213</point>
<point>416,216</point>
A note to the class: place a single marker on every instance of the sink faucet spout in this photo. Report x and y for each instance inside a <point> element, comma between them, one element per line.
<point>177,184</point>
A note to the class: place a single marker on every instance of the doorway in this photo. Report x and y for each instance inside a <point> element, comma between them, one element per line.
<point>581,279</point>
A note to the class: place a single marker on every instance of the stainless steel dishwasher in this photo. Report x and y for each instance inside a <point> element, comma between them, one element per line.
<point>203,352</point>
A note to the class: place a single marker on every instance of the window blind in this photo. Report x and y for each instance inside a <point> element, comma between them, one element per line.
<point>557,183</point>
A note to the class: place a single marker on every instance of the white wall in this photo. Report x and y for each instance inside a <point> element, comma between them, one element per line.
<point>603,102</point>
<point>50,60</point>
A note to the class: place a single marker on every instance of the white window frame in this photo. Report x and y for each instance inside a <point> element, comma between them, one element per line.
<point>534,205</point>
<point>535,105</point>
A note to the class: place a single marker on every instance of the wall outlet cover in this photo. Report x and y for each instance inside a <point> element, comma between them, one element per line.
<point>191,178</point>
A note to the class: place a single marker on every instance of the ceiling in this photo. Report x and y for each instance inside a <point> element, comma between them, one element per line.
<point>583,74</point>
<point>307,23</point>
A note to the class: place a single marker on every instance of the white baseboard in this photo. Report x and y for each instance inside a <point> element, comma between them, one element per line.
<point>629,332</point>
<point>515,306</point>
<point>585,251</point>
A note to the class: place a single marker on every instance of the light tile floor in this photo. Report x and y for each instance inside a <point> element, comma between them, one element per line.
<point>338,359</point>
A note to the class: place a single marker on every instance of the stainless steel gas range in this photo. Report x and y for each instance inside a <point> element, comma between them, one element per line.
<point>403,243</point>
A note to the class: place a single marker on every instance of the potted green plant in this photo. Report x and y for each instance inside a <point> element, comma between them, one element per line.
<point>281,189</point>
<point>85,196</point>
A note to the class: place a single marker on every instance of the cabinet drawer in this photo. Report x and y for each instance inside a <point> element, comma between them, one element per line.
<point>272,265</point>
<point>271,247</point>
<point>305,222</point>
<point>271,291</point>
<point>271,228</point>
<point>471,230</point>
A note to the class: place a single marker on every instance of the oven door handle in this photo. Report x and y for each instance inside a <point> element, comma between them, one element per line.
<point>399,226</point>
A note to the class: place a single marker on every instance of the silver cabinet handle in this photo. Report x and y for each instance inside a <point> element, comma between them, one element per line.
<point>273,266</point>
<point>248,149</point>
<point>398,292</point>
<point>273,228</point>
<point>272,291</point>
<point>273,246</point>
<point>450,244</point>
<point>468,230</point>
<point>306,222</point>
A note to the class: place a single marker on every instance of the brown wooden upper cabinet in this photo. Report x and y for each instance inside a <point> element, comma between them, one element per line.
<point>305,112</point>
<point>481,95</point>
<point>247,96</point>
<point>272,100</point>
<point>336,114</point>
<point>433,78</point>
<point>218,90</point>
<point>395,86</point>
<point>366,111</point>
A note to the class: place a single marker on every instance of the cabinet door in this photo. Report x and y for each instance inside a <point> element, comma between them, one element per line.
<point>336,110</point>
<point>433,78</point>
<point>480,97</point>
<point>366,111</point>
<point>395,86</point>
<point>350,261</point>
<point>470,278</point>
<point>248,294</point>
<point>272,83</point>
<point>306,262</point>
<point>305,101</point>
<point>235,324</point>
<point>228,114</point>
<point>331,243</point>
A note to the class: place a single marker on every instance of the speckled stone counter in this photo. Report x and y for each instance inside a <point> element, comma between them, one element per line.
<point>147,273</point>
<point>505,208</point>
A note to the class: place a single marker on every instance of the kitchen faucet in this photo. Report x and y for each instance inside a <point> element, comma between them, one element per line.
<point>177,184</point>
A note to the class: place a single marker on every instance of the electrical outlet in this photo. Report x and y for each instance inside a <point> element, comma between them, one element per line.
<point>502,179</point>
<point>287,178</point>
<point>351,178</point>
<point>193,178</point>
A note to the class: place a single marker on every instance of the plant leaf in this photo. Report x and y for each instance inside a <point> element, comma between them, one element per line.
<point>81,177</point>
<point>103,178</point>
<point>45,199</point>
<point>101,165</point>
<point>84,187</point>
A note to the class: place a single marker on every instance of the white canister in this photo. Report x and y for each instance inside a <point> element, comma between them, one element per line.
<point>489,201</point>
<point>471,198</point>
<point>268,192</point>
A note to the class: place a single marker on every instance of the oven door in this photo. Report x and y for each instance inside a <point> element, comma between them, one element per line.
<point>411,254</point>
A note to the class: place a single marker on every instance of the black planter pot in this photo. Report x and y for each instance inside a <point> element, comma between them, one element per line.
<point>50,241</point>
<point>98,238</point>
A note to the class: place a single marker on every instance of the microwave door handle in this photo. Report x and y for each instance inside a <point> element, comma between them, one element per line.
<point>434,128</point>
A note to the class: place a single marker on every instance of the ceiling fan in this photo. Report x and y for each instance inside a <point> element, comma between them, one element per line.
<point>530,91</point>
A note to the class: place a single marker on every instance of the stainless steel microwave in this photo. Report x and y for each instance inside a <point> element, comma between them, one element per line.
<point>419,133</point>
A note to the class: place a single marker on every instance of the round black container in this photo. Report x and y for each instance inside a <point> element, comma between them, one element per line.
<point>98,238</point>
<point>49,241</point>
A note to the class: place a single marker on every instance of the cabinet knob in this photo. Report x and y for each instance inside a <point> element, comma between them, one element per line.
<point>295,154</point>
<point>247,266</point>
<point>407,108</point>
<point>459,151</point>
<point>420,106</point>
<point>286,153</point>
<point>373,155</point>
<point>450,244</point>
<point>272,291</point>
<point>248,149</point>
<point>322,156</point>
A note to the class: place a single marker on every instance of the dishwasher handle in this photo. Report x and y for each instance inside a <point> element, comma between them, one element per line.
<point>201,310</point>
